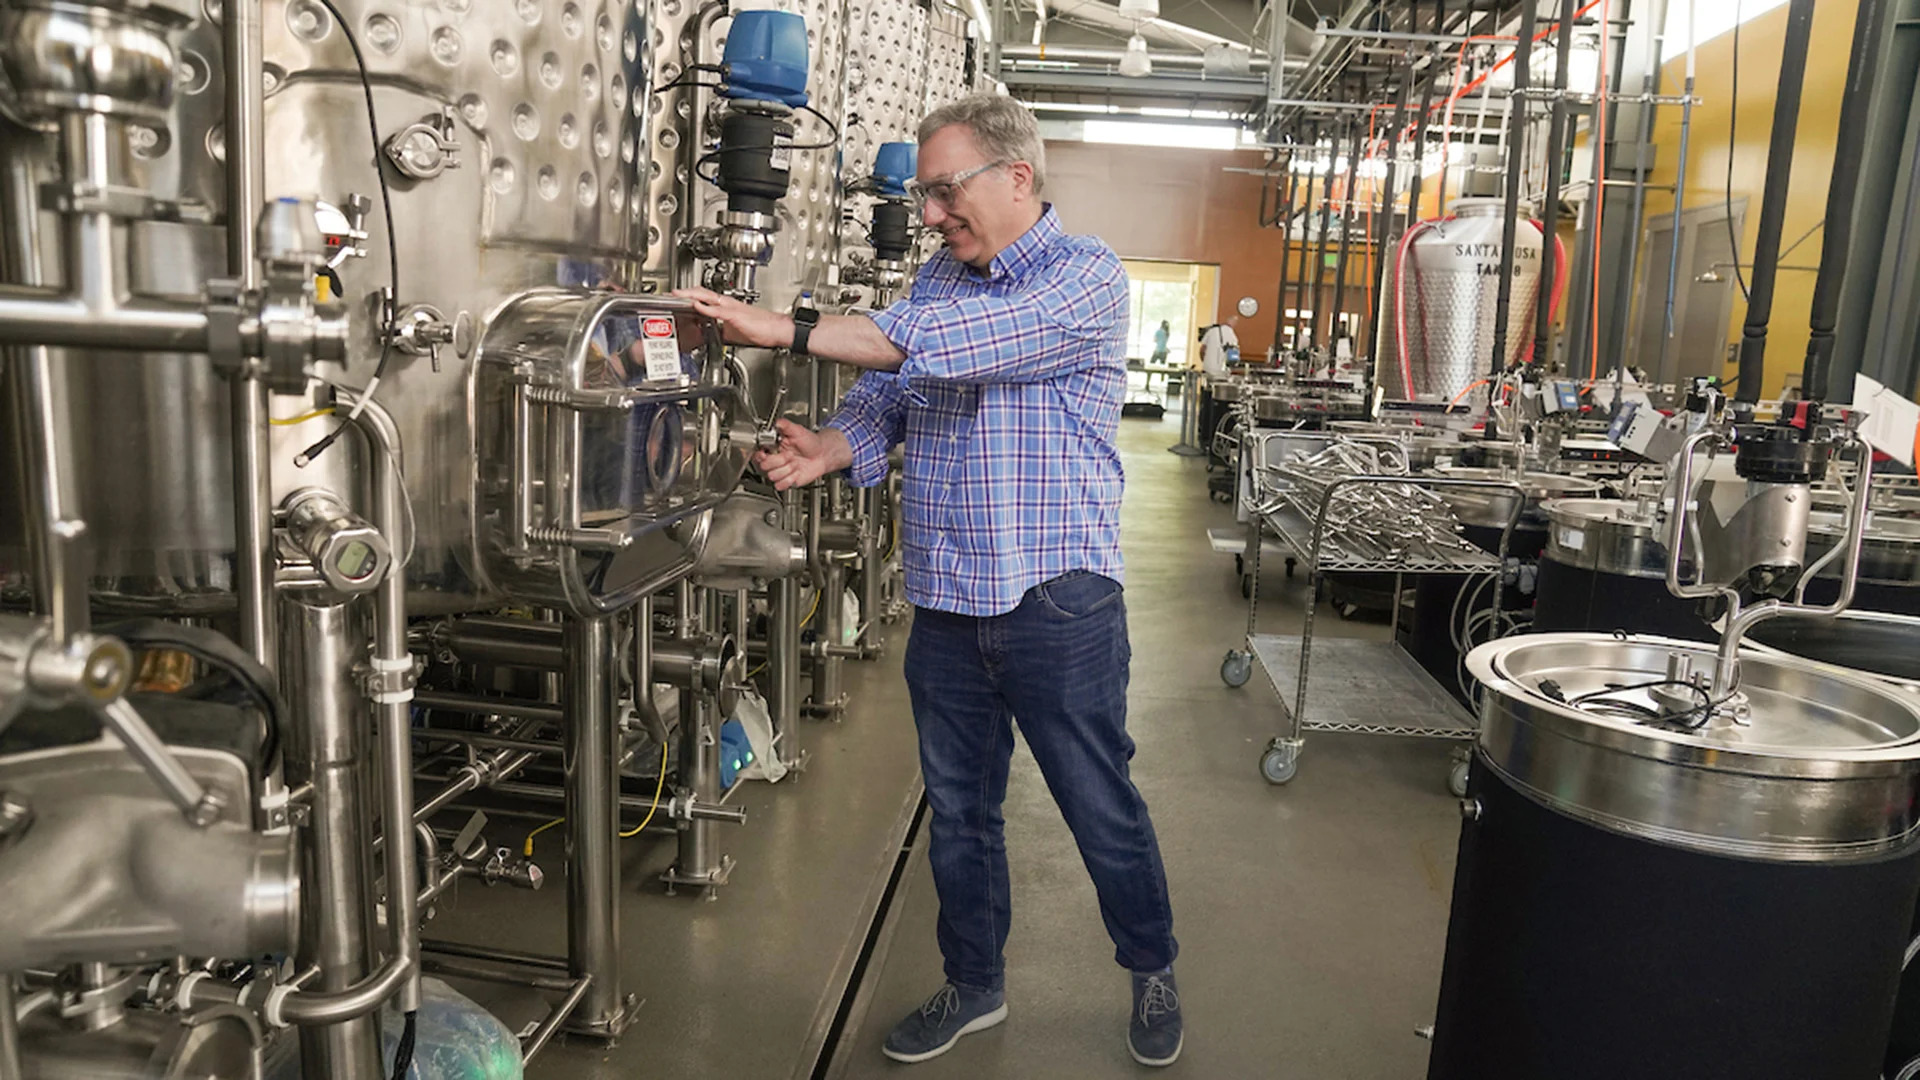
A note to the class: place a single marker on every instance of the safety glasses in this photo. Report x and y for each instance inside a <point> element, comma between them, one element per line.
<point>944,192</point>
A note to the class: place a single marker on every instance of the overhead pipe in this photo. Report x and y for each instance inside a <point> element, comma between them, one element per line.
<point>1300,295</point>
<point>1869,28</point>
<point>1773,200</point>
<point>1385,235</point>
<point>1516,151</point>
<point>1550,210</point>
<point>1092,54</point>
<point>1420,147</point>
<point>1314,338</point>
<point>1346,239</point>
<point>1292,181</point>
<point>1679,204</point>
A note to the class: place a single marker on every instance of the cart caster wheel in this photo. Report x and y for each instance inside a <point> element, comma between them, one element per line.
<point>1236,668</point>
<point>1457,779</point>
<point>1291,563</point>
<point>1279,764</point>
<point>1246,586</point>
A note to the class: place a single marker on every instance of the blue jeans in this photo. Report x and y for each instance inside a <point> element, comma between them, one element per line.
<point>1058,663</point>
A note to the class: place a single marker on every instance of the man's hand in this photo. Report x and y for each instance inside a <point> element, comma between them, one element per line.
<point>741,324</point>
<point>803,456</point>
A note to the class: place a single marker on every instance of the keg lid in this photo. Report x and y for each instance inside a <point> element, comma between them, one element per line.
<point>1818,763</point>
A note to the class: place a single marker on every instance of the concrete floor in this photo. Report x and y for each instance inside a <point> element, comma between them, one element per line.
<point>1311,917</point>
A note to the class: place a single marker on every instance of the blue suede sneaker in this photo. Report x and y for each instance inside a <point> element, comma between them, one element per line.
<point>1154,1035</point>
<point>933,1028</point>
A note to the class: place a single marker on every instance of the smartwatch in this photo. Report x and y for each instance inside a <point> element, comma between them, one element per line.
<point>804,320</point>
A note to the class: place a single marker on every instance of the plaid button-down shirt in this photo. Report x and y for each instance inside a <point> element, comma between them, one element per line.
<point>1008,403</point>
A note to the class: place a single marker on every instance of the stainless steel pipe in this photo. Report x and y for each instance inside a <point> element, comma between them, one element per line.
<point>783,667</point>
<point>511,708</point>
<point>399,973</point>
<point>40,388</point>
<point>593,820</point>
<point>481,639</point>
<point>330,751</point>
<point>9,1032</point>
<point>246,191</point>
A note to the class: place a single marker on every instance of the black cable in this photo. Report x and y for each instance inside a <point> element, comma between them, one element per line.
<point>1618,688</point>
<point>218,651</point>
<point>680,83</point>
<point>831,126</point>
<point>403,1054</point>
<point>1733,127</point>
<point>393,247</point>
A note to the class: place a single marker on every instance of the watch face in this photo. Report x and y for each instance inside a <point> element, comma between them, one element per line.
<point>1248,306</point>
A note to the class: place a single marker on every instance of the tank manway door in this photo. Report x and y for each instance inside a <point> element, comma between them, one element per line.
<point>603,429</point>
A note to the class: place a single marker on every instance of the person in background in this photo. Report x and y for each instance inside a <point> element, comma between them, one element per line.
<point>1002,377</point>
<point>1160,342</point>
<point>1219,345</point>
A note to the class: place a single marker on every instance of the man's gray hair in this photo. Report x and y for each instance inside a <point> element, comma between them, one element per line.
<point>1003,128</point>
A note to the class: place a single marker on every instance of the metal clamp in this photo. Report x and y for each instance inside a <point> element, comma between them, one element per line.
<point>425,149</point>
<point>390,682</point>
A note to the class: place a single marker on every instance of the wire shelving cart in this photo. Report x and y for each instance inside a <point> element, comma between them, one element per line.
<point>1344,513</point>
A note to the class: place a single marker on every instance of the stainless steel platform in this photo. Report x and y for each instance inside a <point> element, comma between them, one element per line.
<point>1363,687</point>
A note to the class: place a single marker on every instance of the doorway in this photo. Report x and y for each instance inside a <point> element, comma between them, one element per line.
<point>1702,297</point>
<point>1181,294</point>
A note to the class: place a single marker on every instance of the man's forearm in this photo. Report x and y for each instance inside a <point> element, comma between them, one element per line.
<point>854,340</point>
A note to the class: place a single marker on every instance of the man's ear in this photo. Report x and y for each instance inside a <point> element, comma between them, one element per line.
<point>1021,174</point>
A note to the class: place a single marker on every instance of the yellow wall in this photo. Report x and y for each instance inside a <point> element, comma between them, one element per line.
<point>1706,179</point>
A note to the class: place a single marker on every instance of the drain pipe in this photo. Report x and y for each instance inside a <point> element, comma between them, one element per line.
<point>1680,182</point>
<point>1346,239</point>
<point>1314,338</point>
<point>1291,181</point>
<point>1386,234</point>
<point>1542,352</point>
<point>1773,201</point>
<point>1869,27</point>
<point>1300,296</point>
<point>1516,148</point>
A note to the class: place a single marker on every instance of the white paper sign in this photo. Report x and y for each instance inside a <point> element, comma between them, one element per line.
<point>661,348</point>
<point>1891,419</point>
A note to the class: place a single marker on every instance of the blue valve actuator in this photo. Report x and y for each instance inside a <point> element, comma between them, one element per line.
<point>766,58</point>
<point>894,165</point>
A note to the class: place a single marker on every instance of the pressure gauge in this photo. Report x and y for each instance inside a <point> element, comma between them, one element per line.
<point>349,554</point>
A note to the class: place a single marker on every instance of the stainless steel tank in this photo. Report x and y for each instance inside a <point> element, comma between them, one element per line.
<point>515,140</point>
<point>1643,893</point>
<point>1604,568</point>
<point>1448,301</point>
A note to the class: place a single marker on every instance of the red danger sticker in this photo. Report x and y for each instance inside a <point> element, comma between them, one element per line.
<point>661,348</point>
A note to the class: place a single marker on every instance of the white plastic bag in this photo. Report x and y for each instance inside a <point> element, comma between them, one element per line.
<point>757,721</point>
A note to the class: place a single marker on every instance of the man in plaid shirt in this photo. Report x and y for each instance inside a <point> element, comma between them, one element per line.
<point>1003,375</point>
